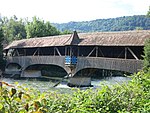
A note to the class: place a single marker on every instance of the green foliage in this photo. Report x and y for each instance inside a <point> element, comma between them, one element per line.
<point>16,29</point>
<point>38,28</point>
<point>112,24</point>
<point>133,97</point>
<point>147,54</point>
<point>148,13</point>
<point>66,32</point>
<point>139,28</point>
<point>1,40</point>
<point>2,63</point>
<point>13,29</point>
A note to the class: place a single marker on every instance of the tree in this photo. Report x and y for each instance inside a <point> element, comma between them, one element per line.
<point>147,55</point>
<point>1,39</point>
<point>148,13</point>
<point>1,48</point>
<point>13,29</point>
<point>38,28</point>
<point>147,50</point>
<point>139,28</point>
<point>66,32</point>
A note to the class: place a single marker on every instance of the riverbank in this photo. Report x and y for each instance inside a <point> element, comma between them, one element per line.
<point>132,97</point>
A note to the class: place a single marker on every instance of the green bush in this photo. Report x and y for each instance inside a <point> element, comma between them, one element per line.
<point>2,62</point>
<point>133,97</point>
<point>147,55</point>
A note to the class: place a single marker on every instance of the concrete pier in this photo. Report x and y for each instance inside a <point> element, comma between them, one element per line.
<point>79,81</point>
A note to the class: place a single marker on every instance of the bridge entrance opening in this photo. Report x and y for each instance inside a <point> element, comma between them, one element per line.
<point>13,66</point>
<point>12,69</point>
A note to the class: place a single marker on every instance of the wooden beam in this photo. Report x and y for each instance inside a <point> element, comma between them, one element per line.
<point>91,51</point>
<point>54,51</point>
<point>17,52</point>
<point>101,52</point>
<point>35,52</point>
<point>78,52</point>
<point>70,51</point>
<point>133,53</point>
<point>65,51</point>
<point>96,51</point>
<point>125,55</point>
<point>58,51</point>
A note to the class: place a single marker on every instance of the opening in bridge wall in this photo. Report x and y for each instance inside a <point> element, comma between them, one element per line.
<point>90,51</point>
<point>99,73</point>
<point>13,67</point>
<point>46,70</point>
<point>110,51</point>
<point>41,51</point>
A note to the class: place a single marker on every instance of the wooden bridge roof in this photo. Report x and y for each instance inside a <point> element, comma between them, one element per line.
<point>125,38</point>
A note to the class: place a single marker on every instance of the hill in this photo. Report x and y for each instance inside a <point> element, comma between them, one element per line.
<point>124,23</point>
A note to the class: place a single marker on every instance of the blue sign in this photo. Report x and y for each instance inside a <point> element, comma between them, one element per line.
<point>71,60</point>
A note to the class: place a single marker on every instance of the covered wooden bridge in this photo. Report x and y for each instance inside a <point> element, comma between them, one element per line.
<point>119,51</point>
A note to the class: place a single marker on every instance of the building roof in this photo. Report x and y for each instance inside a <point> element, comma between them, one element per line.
<point>125,38</point>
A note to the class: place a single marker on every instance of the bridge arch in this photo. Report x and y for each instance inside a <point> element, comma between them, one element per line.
<point>124,65</point>
<point>48,70</point>
<point>13,66</point>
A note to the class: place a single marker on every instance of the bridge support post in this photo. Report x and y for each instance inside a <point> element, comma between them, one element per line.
<point>79,82</point>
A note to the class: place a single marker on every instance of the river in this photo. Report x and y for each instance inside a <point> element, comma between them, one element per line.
<point>48,85</point>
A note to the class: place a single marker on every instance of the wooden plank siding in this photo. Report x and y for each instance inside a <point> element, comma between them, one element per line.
<point>126,65</point>
<point>25,61</point>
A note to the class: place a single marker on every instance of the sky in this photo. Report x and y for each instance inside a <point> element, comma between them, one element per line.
<point>62,11</point>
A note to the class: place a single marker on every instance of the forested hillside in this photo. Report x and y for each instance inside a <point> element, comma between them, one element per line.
<point>112,24</point>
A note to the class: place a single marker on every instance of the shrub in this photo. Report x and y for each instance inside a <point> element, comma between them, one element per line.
<point>133,97</point>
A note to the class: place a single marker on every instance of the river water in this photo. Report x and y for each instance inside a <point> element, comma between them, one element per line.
<point>48,85</point>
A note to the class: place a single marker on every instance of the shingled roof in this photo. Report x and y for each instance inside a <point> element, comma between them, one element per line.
<point>125,38</point>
